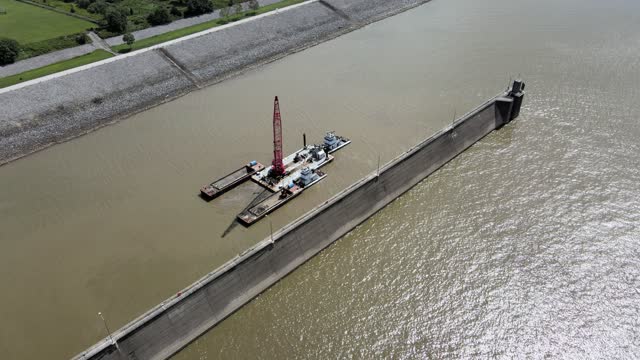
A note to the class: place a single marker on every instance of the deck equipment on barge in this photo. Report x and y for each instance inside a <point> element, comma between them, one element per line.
<point>286,177</point>
<point>310,156</point>
<point>307,178</point>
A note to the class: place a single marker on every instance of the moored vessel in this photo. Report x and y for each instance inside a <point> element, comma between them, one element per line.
<point>230,180</point>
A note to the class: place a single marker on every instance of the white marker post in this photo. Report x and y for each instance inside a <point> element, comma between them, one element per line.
<point>270,227</point>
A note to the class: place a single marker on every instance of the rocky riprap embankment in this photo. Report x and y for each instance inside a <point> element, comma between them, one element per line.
<point>48,112</point>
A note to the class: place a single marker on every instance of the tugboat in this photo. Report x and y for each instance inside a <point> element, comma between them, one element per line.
<point>307,177</point>
<point>333,143</point>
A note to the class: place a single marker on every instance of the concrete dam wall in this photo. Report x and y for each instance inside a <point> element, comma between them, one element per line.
<point>42,112</point>
<point>168,327</point>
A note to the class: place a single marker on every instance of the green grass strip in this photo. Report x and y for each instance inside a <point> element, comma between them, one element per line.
<point>28,23</point>
<point>54,68</point>
<point>171,35</point>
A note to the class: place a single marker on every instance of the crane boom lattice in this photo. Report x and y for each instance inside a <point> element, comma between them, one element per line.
<point>277,164</point>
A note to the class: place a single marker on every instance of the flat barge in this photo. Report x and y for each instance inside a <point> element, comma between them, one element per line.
<point>306,179</point>
<point>230,181</point>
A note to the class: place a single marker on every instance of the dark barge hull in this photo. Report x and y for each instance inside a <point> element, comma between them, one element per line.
<point>273,202</point>
<point>229,181</point>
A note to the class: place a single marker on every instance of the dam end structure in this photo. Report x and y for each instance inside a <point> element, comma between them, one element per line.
<point>42,112</point>
<point>173,324</point>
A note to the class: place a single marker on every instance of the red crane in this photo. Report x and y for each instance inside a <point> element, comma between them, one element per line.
<point>277,168</point>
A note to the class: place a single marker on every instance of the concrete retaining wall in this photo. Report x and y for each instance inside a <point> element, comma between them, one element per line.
<point>46,111</point>
<point>173,324</point>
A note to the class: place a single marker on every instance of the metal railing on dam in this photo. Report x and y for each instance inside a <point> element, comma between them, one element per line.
<point>173,324</point>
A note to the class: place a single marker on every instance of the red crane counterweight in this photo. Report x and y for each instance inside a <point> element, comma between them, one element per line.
<point>277,168</point>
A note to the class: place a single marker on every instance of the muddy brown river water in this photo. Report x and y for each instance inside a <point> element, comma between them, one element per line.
<point>527,245</point>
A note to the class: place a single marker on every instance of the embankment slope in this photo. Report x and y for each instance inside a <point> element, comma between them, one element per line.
<point>41,113</point>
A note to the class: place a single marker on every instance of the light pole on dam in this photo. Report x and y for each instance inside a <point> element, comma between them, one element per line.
<point>113,342</point>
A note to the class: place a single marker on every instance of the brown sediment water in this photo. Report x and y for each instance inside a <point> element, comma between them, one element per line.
<point>525,244</point>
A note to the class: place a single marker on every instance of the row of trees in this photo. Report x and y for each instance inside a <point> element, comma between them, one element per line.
<point>161,15</point>
<point>116,17</point>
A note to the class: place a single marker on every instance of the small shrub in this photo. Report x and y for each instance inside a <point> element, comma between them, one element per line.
<point>176,12</point>
<point>129,39</point>
<point>105,34</point>
<point>83,4</point>
<point>72,10</point>
<point>224,12</point>
<point>253,5</point>
<point>82,39</point>
<point>116,19</point>
<point>159,16</point>
<point>9,50</point>
<point>199,7</point>
<point>98,7</point>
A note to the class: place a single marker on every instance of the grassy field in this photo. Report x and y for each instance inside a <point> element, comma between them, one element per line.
<point>27,23</point>
<point>201,27</point>
<point>54,68</point>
